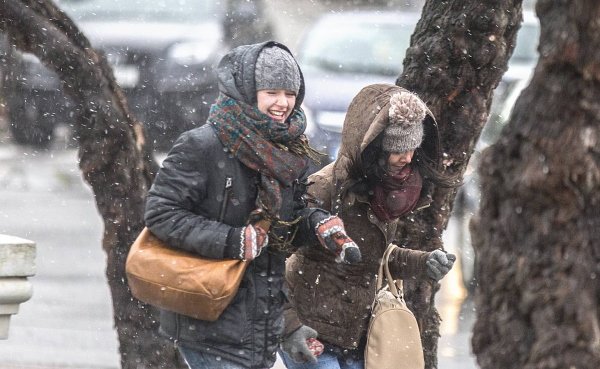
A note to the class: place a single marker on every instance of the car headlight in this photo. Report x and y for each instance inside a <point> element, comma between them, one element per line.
<point>191,52</point>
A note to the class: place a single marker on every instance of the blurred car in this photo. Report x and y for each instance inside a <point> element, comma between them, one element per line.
<point>162,53</point>
<point>340,54</point>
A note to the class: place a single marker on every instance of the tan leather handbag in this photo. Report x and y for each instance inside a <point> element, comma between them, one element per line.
<point>179,281</point>
<point>393,338</point>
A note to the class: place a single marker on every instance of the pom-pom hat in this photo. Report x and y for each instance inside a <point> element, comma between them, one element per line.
<point>405,130</point>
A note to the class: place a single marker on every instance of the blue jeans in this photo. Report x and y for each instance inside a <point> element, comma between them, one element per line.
<point>327,360</point>
<point>201,360</point>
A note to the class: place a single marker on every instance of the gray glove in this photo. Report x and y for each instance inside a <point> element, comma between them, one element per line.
<point>296,347</point>
<point>439,264</point>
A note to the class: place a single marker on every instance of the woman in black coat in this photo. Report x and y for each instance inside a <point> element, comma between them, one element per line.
<point>247,164</point>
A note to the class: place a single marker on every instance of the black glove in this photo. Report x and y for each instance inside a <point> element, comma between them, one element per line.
<point>439,264</point>
<point>296,347</point>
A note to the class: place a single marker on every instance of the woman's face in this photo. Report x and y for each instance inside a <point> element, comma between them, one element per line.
<point>277,104</point>
<point>398,160</point>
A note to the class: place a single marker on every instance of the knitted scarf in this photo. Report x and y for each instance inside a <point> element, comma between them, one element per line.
<point>396,194</point>
<point>278,151</point>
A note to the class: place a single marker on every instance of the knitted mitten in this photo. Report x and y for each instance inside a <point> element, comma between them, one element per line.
<point>332,235</point>
<point>253,240</point>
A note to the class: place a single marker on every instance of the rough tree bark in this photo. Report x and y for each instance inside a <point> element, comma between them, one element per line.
<point>112,159</point>
<point>458,53</point>
<point>538,238</point>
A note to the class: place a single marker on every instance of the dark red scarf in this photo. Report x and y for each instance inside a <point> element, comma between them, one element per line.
<point>396,194</point>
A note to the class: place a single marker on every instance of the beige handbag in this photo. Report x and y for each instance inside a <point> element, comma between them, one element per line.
<point>393,338</point>
<point>179,281</point>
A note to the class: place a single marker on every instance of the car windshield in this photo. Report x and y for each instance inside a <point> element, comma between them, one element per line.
<point>139,10</point>
<point>356,47</point>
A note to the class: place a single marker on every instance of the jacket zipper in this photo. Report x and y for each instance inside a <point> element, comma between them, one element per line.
<point>226,194</point>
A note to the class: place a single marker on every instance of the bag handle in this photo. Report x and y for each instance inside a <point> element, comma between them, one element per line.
<point>396,287</point>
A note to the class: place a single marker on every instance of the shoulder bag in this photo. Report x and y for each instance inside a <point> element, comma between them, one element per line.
<point>393,338</point>
<point>179,281</point>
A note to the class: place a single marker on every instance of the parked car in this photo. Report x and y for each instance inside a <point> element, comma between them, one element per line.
<point>162,54</point>
<point>339,55</point>
<point>343,52</point>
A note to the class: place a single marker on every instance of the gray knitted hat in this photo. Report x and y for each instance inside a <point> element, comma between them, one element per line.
<point>405,129</point>
<point>276,69</point>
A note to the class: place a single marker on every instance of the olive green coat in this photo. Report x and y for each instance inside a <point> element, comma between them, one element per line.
<point>335,299</point>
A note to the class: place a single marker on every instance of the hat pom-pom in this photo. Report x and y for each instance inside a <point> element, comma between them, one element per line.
<point>406,109</point>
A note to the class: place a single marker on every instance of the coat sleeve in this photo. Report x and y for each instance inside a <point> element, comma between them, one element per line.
<point>178,188</point>
<point>408,263</point>
<point>309,212</point>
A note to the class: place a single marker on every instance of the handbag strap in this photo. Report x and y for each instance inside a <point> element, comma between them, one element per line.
<point>395,286</point>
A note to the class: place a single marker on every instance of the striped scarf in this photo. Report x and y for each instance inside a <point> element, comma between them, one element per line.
<point>278,151</point>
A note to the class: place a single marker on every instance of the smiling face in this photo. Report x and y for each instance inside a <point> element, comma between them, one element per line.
<point>398,160</point>
<point>277,104</point>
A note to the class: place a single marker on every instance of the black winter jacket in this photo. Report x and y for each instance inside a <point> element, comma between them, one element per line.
<point>185,208</point>
<point>199,202</point>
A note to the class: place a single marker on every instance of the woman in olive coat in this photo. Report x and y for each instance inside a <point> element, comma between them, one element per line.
<point>385,171</point>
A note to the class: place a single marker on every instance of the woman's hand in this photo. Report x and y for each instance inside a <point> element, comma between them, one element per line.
<point>332,235</point>
<point>302,345</point>
<point>254,239</point>
<point>439,264</point>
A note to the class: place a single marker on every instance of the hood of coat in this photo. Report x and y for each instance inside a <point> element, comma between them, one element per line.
<point>236,72</point>
<point>366,119</point>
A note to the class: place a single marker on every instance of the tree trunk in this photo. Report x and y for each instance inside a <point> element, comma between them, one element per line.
<point>538,241</point>
<point>112,156</point>
<point>458,53</point>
